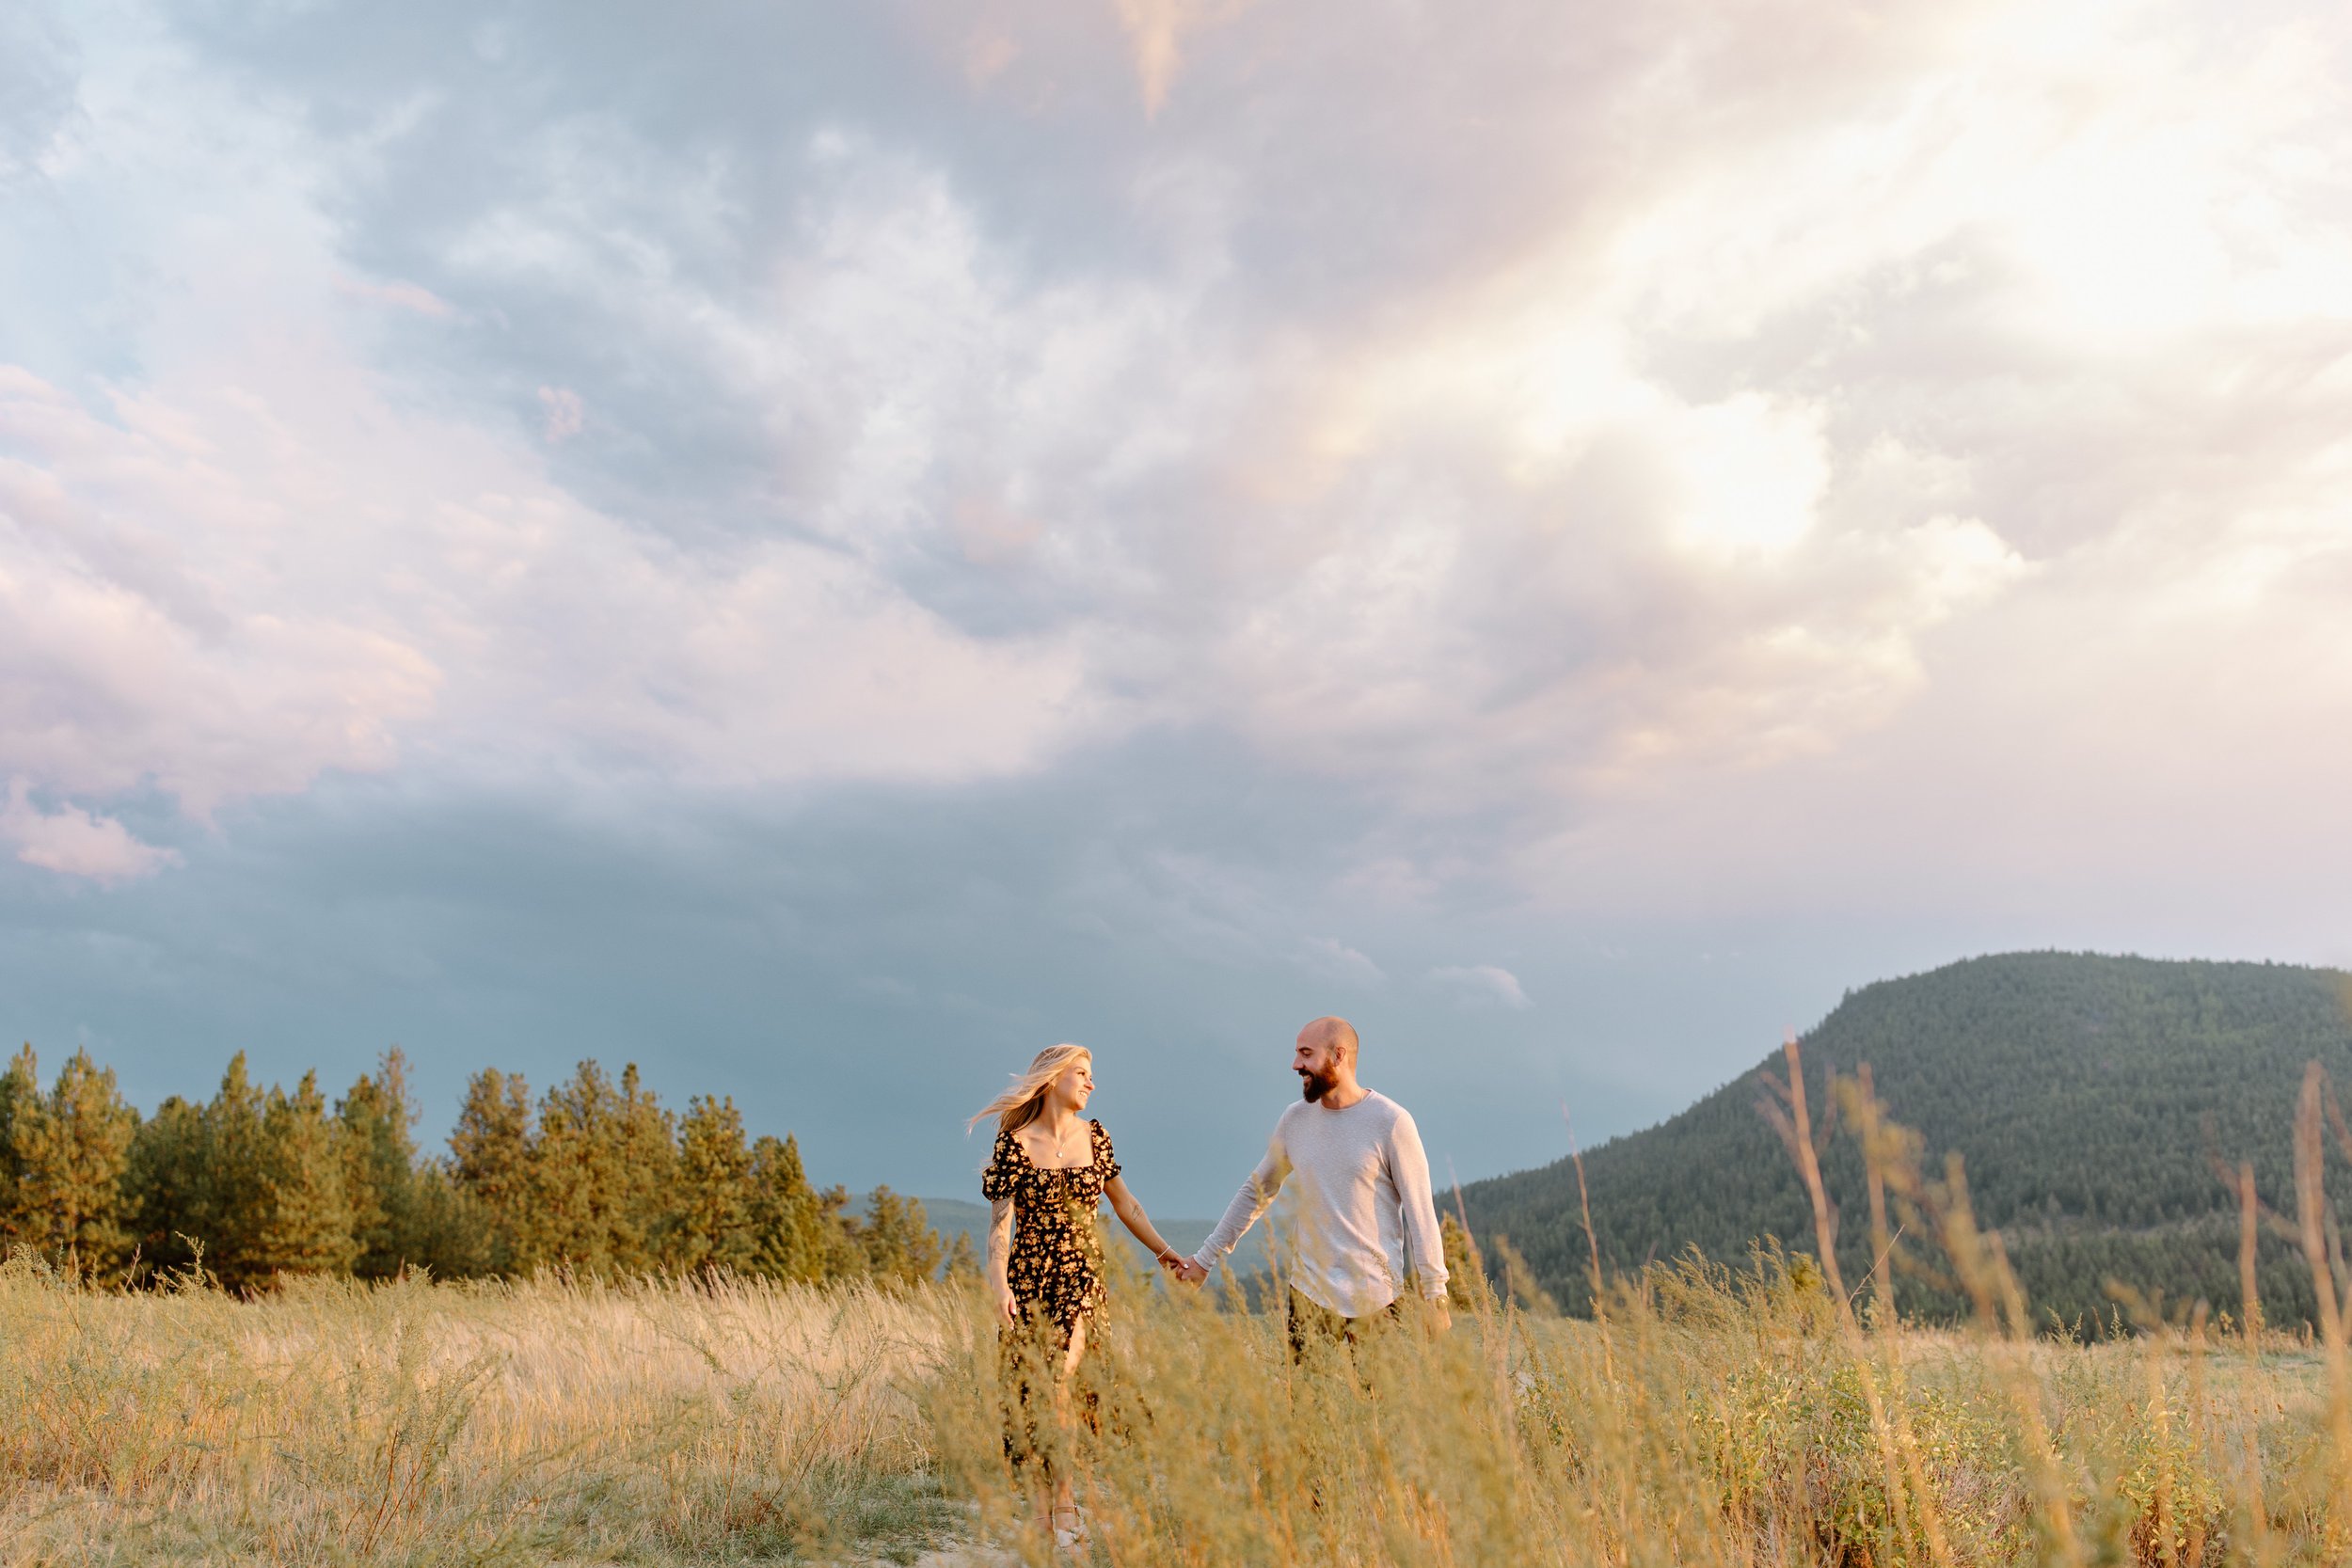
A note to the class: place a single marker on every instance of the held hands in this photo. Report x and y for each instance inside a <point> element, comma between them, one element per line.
<point>1181,1267</point>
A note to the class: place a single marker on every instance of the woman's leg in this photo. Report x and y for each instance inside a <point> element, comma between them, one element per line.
<point>1032,1358</point>
<point>1073,1352</point>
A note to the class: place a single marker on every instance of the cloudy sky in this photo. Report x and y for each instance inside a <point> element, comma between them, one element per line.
<point>823,548</point>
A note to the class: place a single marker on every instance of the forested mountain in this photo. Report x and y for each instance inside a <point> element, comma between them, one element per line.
<point>2088,1097</point>
<point>595,1175</point>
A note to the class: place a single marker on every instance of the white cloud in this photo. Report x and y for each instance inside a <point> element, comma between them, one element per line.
<point>398,295</point>
<point>156,625</point>
<point>36,97</point>
<point>73,843</point>
<point>1334,959</point>
<point>1488,983</point>
<point>225,595</point>
<point>1595,485</point>
<point>566,417</point>
<point>256,563</point>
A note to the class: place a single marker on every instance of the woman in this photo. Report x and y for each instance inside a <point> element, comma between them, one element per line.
<point>1050,1170</point>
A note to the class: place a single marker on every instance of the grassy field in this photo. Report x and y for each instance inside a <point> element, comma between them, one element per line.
<point>1768,1416</point>
<point>420,1423</point>
<point>1712,1418</point>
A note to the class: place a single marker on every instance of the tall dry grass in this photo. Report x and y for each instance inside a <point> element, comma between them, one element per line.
<point>1712,1417</point>
<point>1768,1416</point>
<point>420,1423</point>
<point>1774,1414</point>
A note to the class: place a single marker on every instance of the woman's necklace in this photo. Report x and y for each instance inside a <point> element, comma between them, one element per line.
<point>1060,1160</point>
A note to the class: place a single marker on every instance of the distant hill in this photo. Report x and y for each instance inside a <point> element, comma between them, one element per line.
<point>2083,1092</point>
<point>950,1216</point>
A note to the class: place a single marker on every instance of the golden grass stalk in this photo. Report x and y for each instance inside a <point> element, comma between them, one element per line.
<point>2313,1219</point>
<point>1797,1129</point>
<point>433,1423</point>
<point>1708,1415</point>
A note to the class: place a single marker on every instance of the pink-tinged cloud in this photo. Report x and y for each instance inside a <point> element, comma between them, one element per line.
<point>1488,983</point>
<point>165,619</point>
<point>1158,31</point>
<point>1588,438</point>
<point>226,596</point>
<point>399,296</point>
<point>73,843</point>
<point>565,416</point>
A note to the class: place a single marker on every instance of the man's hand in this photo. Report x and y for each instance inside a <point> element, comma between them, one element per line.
<point>1440,1315</point>
<point>1190,1270</point>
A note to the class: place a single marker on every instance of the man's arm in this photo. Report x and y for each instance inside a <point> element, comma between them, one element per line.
<point>1409,1167</point>
<point>1249,1205</point>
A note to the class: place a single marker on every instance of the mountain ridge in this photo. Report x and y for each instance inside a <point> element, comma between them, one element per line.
<point>2085,1093</point>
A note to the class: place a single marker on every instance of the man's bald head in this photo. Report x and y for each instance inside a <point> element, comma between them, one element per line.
<point>1335,1034</point>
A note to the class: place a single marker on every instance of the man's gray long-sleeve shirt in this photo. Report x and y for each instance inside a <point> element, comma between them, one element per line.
<point>1363,1203</point>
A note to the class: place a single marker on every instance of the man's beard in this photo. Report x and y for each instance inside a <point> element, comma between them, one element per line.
<point>1314,1085</point>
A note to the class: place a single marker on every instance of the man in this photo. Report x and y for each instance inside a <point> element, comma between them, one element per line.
<point>1364,1204</point>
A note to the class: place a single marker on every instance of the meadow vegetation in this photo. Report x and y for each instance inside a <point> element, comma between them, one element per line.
<point>1710,1417</point>
<point>1779,1413</point>
<point>336,1421</point>
<point>1774,1413</point>
<point>1782,1412</point>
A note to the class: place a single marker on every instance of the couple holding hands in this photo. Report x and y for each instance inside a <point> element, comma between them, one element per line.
<point>1365,1219</point>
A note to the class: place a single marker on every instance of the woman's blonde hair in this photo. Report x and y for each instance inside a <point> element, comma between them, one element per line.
<point>1025,1101</point>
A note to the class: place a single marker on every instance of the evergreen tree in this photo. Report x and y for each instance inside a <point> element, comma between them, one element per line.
<point>714,1189</point>
<point>165,1188</point>
<point>787,1218</point>
<point>644,1219</point>
<point>584,1210</point>
<point>264,1185</point>
<point>450,1233</point>
<point>255,1179</point>
<point>842,1252</point>
<point>379,1156</point>
<point>963,1260</point>
<point>20,1087</point>
<point>69,1152</point>
<point>900,1245</point>
<point>490,1162</point>
<point>305,1218</point>
<point>226,1211</point>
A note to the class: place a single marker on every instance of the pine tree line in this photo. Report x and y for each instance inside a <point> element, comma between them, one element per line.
<point>595,1177</point>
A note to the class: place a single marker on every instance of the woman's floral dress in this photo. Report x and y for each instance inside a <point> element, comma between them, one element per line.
<point>1056,1270</point>
<point>1055,1273</point>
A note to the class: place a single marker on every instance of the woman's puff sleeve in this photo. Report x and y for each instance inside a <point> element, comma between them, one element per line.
<point>996,1180</point>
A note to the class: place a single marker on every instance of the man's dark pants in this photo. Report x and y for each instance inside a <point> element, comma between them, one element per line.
<point>1314,1327</point>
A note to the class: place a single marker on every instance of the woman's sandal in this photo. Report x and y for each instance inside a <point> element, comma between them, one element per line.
<point>1072,1536</point>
